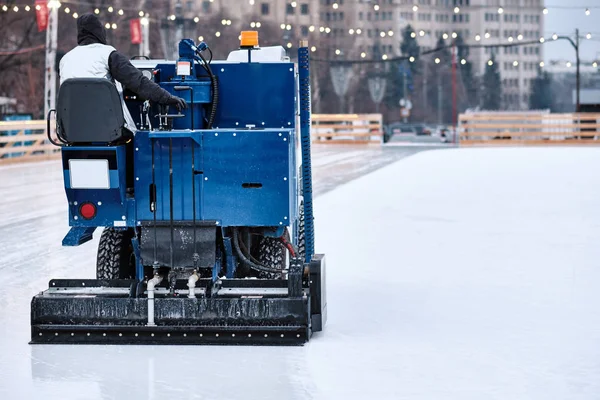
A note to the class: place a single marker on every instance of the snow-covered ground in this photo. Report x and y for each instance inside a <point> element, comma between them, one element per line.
<point>452,274</point>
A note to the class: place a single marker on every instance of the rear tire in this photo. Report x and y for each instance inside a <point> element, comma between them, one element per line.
<point>115,255</point>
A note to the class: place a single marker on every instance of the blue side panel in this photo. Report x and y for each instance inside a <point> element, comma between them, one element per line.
<point>242,177</point>
<point>249,93</point>
<point>111,204</point>
<point>182,147</point>
<point>247,177</point>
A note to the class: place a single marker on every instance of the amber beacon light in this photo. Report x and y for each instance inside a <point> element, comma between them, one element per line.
<point>249,39</point>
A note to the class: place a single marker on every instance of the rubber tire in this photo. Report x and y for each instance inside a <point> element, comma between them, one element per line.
<point>115,255</point>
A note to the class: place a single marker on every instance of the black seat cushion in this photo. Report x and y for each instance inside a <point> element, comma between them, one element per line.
<point>89,111</point>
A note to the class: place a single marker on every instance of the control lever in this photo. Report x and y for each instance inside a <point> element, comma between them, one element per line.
<point>181,88</point>
<point>165,119</point>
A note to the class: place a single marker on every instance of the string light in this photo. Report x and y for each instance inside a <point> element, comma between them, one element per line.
<point>321,29</point>
<point>445,36</point>
<point>454,35</point>
<point>218,34</point>
<point>411,59</point>
<point>456,10</point>
<point>311,28</point>
<point>415,8</point>
<point>289,45</point>
<point>500,10</point>
<point>27,8</point>
<point>97,11</point>
<point>110,9</point>
<point>515,63</point>
<point>121,12</point>
<point>542,64</point>
<point>555,36</point>
<point>67,10</point>
<point>358,31</point>
<point>294,4</point>
<point>588,36</point>
<point>335,6</point>
<point>520,37</point>
<point>327,30</point>
<point>545,10</point>
<point>351,31</point>
<point>384,57</point>
<point>288,27</point>
<point>490,63</point>
<point>338,52</point>
<point>201,38</point>
<point>258,24</point>
<point>510,39</point>
<point>463,61</point>
<point>594,64</point>
<point>313,49</point>
<point>542,40</point>
<point>478,37</point>
<point>363,54</point>
<point>145,22</point>
<point>437,60</point>
<point>196,19</point>
<point>382,34</point>
<point>487,35</point>
<point>75,15</point>
<point>376,7</point>
<point>587,11</point>
<point>422,33</point>
<point>114,26</point>
<point>172,17</point>
<point>141,14</point>
<point>107,25</point>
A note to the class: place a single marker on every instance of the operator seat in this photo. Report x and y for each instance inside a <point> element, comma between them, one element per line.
<point>89,112</point>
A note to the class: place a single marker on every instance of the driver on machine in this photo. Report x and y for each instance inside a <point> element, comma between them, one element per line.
<point>93,58</point>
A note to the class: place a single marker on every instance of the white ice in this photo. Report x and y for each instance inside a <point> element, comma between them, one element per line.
<point>452,274</point>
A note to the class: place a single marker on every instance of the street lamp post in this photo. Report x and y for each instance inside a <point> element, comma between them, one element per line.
<point>575,45</point>
<point>51,44</point>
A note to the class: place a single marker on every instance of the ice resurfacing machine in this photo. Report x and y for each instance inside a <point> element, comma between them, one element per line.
<point>207,213</point>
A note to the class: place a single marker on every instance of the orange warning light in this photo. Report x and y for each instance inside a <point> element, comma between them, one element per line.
<point>249,39</point>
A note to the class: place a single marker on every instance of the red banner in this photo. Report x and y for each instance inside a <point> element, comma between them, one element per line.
<point>41,13</point>
<point>135,28</point>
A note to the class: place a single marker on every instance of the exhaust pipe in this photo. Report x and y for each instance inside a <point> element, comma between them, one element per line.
<point>151,285</point>
<point>192,284</point>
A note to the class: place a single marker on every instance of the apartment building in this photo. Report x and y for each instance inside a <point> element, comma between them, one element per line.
<point>293,18</point>
<point>374,29</point>
<point>355,29</point>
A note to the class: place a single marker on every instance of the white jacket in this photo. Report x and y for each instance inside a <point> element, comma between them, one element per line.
<point>91,61</point>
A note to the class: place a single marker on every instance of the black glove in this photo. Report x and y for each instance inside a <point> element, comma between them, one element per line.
<point>178,102</point>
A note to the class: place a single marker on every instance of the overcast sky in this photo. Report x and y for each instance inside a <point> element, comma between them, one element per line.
<point>564,21</point>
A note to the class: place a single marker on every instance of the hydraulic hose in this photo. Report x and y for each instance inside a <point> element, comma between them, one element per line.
<point>215,90</point>
<point>244,259</point>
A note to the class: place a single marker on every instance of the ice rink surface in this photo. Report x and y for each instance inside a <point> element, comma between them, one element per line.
<point>452,274</point>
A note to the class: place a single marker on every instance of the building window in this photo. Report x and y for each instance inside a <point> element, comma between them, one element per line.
<point>304,30</point>
<point>289,9</point>
<point>264,8</point>
<point>189,5</point>
<point>304,9</point>
<point>206,6</point>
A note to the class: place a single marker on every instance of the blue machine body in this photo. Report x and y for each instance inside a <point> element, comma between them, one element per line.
<point>242,172</point>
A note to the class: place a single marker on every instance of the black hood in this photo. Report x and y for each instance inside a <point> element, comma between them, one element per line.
<point>90,30</point>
